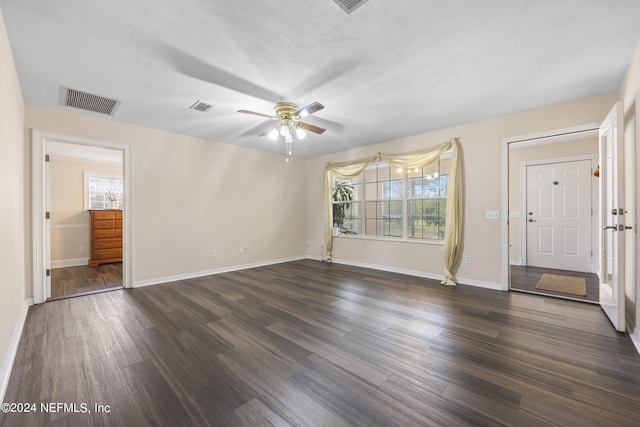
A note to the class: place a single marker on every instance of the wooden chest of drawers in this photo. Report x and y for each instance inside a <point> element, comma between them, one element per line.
<point>106,236</point>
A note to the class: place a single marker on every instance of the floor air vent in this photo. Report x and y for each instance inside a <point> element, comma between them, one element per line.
<point>201,106</point>
<point>349,5</point>
<point>88,101</point>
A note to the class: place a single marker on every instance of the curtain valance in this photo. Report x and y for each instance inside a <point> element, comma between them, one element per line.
<point>418,159</point>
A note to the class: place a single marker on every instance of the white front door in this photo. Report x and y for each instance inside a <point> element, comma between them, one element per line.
<point>612,217</point>
<point>558,215</point>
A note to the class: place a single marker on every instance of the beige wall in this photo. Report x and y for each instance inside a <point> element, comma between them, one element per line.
<point>481,144</point>
<point>69,218</point>
<point>191,195</point>
<point>630,94</point>
<point>12,207</point>
<point>540,152</point>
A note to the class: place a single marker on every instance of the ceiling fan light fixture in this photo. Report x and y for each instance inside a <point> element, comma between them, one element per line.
<point>289,125</point>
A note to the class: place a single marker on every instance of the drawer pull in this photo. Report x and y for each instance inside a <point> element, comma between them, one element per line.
<point>100,255</point>
<point>104,224</point>
<point>101,244</point>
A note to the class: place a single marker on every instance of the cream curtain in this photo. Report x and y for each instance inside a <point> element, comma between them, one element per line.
<point>343,170</point>
<point>418,159</point>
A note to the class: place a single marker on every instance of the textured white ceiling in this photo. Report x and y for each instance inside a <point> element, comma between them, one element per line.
<point>390,69</point>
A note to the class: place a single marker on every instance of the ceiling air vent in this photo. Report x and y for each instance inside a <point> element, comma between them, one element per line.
<point>201,106</point>
<point>88,101</point>
<point>349,5</point>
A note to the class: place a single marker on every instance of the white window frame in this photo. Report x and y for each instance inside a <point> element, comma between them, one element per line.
<point>87,198</point>
<point>405,200</point>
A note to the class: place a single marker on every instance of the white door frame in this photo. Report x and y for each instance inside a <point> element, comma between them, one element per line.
<point>40,238</point>
<point>593,158</point>
<point>546,137</point>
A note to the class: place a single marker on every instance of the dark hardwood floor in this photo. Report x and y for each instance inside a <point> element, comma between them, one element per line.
<point>79,280</point>
<point>526,279</point>
<point>310,344</point>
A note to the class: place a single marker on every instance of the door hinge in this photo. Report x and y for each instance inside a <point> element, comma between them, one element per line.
<point>47,215</point>
<point>48,272</point>
<point>47,158</point>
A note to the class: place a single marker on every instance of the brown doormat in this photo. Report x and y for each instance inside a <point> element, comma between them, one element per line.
<point>565,284</point>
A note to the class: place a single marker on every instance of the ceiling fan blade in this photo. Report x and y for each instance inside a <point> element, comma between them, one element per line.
<point>309,109</point>
<point>259,114</point>
<point>311,128</point>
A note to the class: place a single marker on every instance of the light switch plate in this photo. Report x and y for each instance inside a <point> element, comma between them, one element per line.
<point>492,214</point>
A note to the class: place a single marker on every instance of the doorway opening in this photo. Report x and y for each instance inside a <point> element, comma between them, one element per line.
<point>82,179</point>
<point>552,202</point>
<point>73,177</point>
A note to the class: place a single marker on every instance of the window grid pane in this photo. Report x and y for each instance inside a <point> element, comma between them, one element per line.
<point>103,190</point>
<point>347,196</point>
<point>387,199</point>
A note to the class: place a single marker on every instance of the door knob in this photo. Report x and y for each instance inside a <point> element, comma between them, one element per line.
<point>532,220</point>
<point>607,227</point>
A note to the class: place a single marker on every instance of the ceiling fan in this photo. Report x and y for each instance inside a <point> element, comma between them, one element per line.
<point>289,124</point>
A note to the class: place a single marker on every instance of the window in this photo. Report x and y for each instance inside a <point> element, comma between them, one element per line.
<point>347,216</point>
<point>392,202</point>
<point>426,202</point>
<point>384,191</point>
<point>101,191</point>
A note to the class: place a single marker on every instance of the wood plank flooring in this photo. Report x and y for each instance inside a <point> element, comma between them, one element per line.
<point>526,279</point>
<point>79,280</point>
<point>310,344</point>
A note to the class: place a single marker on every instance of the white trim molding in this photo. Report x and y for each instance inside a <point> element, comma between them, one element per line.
<point>423,274</point>
<point>75,262</point>
<point>186,276</point>
<point>10,356</point>
<point>633,331</point>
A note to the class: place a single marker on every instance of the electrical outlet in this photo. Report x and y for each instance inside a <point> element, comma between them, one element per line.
<point>467,259</point>
<point>82,249</point>
<point>241,249</point>
<point>214,253</point>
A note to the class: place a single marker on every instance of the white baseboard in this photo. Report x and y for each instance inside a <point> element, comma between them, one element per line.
<point>7,364</point>
<point>633,332</point>
<point>178,277</point>
<point>423,274</point>
<point>61,263</point>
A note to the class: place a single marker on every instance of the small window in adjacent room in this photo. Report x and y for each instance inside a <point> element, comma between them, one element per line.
<point>103,192</point>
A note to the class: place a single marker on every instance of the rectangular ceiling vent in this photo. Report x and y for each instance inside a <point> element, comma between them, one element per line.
<point>201,106</point>
<point>349,5</point>
<point>88,101</point>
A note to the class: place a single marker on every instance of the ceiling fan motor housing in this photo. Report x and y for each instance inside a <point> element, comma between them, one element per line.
<point>286,110</point>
